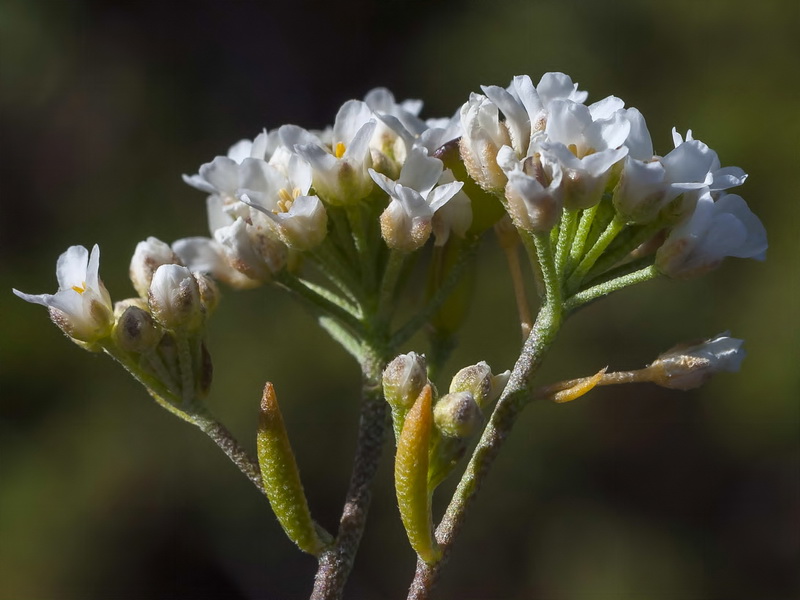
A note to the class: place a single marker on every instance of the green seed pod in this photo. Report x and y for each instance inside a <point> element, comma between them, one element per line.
<point>411,478</point>
<point>282,478</point>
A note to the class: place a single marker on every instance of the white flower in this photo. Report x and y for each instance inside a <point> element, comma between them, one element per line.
<point>406,222</point>
<point>533,191</point>
<point>148,256</point>
<point>721,178</point>
<point>483,136</point>
<point>690,365</point>
<point>174,298</point>
<point>340,170</point>
<point>82,306</point>
<point>298,219</point>
<point>649,183</point>
<point>716,229</point>
<point>205,255</point>
<point>587,142</point>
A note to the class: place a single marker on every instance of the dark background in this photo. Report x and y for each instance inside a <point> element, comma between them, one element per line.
<point>628,493</point>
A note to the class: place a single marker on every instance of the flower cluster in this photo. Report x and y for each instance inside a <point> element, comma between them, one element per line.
<point>271,196</point>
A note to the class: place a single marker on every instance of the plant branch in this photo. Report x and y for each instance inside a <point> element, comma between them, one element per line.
<point>336,562</point>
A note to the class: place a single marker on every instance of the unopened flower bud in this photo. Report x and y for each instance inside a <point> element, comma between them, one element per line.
<point>688,366</point>
<point>174,298</point>
<point>457,415</point>
<point>484,135</point>
<point>135,330</point>
<point>148,256</point>
<point>122,305</point>
<point>403,380</point>
<point>479,381</point>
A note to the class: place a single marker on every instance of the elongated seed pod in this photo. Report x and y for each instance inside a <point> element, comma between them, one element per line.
<point>411,478</point>
<point>282,478</point>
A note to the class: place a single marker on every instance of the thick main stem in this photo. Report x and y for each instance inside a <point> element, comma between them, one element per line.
<point>496,432</point>
<point>336,562</point>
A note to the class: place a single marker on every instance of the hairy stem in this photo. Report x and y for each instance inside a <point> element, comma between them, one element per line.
<point>336,562</point>
<point>500,423</point>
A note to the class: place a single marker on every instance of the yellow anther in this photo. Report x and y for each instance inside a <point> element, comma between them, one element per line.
<point>338,152</point>
<point>286,199</point>
<point>80,288</point>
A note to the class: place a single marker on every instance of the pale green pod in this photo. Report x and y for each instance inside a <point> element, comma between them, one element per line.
<point>411,478</point>
<point>281,477</point>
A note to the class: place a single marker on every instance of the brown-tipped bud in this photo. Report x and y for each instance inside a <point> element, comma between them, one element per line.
<point>136,331</point>
<point>281,476</point>
<point>689,366</point>
<point>174,299</point>
<point>457,415</point>
<point>479,381</point>
<point>148,256</point>
<point>403,380</point>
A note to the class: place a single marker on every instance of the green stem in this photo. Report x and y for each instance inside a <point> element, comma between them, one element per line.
<point>497,430</point>
<point>581,235</point>
<point>566,237</point>
<point>302,290</point>
<point>363,248</point>
<point>594,253</point>
<point>612,285</point>
<point>336,562</point>
<point>467,253</point>
<point>391,275</point>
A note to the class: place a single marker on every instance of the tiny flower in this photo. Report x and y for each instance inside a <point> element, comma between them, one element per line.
<point>174,298</point>
<point>483,137</point>
<point>82,306</point>
<point>715,230</point>
<point>299,220</point>
<point>689,366</point>
<point>587,142</point>
<point>206,255</point>
<point>148,256</point>
<point>340,171</point>
<point>533,192</point>
<point>406,223</point>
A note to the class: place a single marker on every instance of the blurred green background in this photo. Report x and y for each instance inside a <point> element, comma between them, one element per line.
<point>629,493</point>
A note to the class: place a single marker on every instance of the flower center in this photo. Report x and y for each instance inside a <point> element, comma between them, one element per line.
<point>286,199</point>
<point>339,150</point>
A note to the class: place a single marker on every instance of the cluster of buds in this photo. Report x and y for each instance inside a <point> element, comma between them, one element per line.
<point>432,433</point>
<point>158,335</point>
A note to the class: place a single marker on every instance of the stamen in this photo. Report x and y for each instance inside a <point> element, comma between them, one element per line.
<point>286,199</point>
<point>339,151</point>
<point>80,288</point>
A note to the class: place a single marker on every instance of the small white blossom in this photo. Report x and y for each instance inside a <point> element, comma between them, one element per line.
<point>533,192</point>
<point>407,222</point>
<point>298,219</point>
<point>82,306</point>
<point>690,365</point>
<point>483,136</point>
<point>206,255</point>
<point>716,229</point>
<point>340,169</point>
<point>148,256</point>
<point>174,298</point>
<point>587,142</point>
